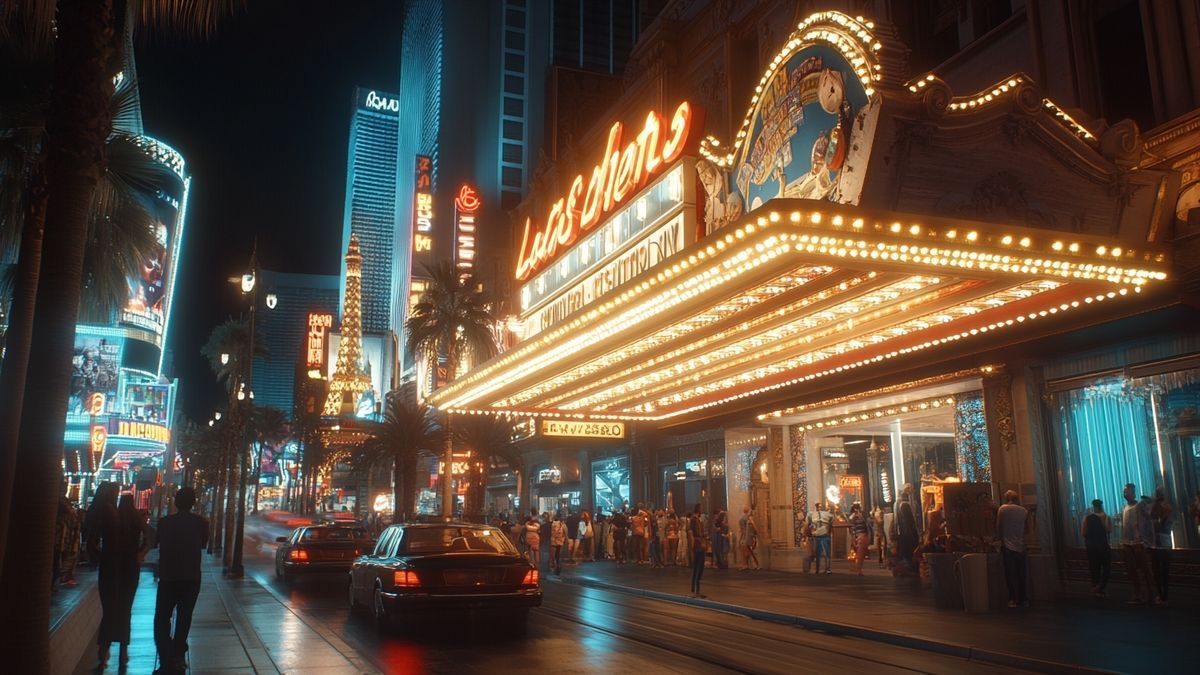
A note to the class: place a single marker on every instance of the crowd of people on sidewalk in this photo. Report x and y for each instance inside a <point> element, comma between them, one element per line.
<point>638,535</point>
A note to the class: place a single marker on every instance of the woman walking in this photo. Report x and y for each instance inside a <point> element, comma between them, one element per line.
<point>696,535</point>
<point>859,534</point>
<point>558,535</point>
<point>533,539</point>
<point>121,541</point>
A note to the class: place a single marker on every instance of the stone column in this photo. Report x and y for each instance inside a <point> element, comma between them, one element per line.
<point>799,482</point>
<point>780,478</point>
<point>1001,428</point>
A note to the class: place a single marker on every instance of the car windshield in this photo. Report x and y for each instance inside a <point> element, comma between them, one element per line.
<point>429,540</point>
<point>333,534</point>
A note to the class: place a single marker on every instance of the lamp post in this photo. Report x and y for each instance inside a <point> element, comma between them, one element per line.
<point>249,287</point>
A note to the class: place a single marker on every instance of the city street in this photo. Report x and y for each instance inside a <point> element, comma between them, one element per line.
<point>306,626</point>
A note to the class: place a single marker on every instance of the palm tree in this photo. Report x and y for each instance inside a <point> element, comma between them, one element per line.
<point>408,428</point>
<point>489,440</point>
<point>268,426</point>
<point>452,320</point>
<point>120,229</point>
<point>87,38</point>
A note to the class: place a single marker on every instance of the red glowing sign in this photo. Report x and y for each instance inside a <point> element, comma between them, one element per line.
<point>466,203</point>
<point>319,324</point>
<point>619,174</point>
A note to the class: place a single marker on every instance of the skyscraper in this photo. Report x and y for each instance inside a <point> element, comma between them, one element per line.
<point>370,211</point>
<point>284,328</point>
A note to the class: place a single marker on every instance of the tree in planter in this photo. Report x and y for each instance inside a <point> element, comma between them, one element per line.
<point>88,36</point>
<point>453,321</point>
<point>489,440</point>
<point>407,430</point>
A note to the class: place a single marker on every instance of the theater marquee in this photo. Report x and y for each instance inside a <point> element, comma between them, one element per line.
<point>582,429</point>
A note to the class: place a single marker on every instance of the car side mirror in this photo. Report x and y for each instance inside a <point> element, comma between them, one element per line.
<point>281,540</point>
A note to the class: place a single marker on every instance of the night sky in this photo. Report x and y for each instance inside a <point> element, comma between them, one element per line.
<point>260,110</point>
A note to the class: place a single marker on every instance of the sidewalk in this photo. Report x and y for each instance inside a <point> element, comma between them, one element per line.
<point>1077,630</point>
<point>237,627</point>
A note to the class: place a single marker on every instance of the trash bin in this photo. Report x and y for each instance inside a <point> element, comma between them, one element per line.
<point>972,572</point>
<point>946,591</point>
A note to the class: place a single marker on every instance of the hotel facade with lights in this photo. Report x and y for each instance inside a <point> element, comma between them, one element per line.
<point>808,272</point>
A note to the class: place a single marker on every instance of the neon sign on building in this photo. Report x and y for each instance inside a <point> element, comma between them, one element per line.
<point>466,205</point>
<point>319,324</point>
<point>621,172</point>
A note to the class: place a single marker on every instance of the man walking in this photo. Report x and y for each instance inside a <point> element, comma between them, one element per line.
<point>1137,535</point>
<point>1010,527</point>
<point>821,522</point>
<point>1096,528</point>
<point>181,538</point>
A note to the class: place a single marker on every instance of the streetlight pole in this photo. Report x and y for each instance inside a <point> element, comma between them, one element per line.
<point>249,285</point>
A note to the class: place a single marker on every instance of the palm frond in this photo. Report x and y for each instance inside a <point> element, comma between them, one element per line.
<point>194,18</point>
<point>29,25</point>
<point>122,240</point>
<point>130,166</point>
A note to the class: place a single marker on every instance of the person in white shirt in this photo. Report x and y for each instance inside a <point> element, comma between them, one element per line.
<point>1136,539</point>
<point>821,523</point>
<point>1011,520</point>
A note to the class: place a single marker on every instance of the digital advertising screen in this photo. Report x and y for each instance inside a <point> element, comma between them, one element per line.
<point>148,290</point>
<point>95,367</point>
<point>148,402</point>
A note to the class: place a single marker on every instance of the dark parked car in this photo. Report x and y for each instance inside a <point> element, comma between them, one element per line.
<point>320,548</point>
<point>456,567</point>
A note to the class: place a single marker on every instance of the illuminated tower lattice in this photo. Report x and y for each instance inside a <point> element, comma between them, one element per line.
<point>350,381</point>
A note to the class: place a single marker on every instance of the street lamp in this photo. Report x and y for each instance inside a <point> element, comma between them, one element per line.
<point>272,300</point>
<point>217,415</point>
<point>248,281</point>
<point>224,359</point>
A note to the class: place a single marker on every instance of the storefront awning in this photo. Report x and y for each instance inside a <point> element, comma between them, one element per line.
<point>796,291</point>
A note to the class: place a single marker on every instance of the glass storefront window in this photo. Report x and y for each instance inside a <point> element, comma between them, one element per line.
<point>610,484</point>
<point>1144,431</point>
<point>929,458</point>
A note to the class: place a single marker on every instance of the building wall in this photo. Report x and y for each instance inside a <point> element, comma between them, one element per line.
<point>370,210</point>
<point>284,328</point>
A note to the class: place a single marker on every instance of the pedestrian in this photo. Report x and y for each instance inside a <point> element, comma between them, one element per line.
<point>121,542</point>
<point>66,543</point>
<point>748,538</point>
<point>654,528</point>
<point>672,538</point>
<point>1095,530</point>
<point>1136,538</point>
<point>104,497</point>
<point>880,531</point>
<point>587,536</point>
<point>1163,516</point>
<point>859,534</point>
<point>696,535</point>
<point>637,525</point>
<point>620,523</point>
<point>572,541</point>
<point>904,531</point>
<point>533,539</point>
<point>1011,521</point>
<point>821,522</point>
<point>717,530</point>
<point>558,535</point>
<point>182,536</point>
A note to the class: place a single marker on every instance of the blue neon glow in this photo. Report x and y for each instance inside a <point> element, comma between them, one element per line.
<point>176,260</point>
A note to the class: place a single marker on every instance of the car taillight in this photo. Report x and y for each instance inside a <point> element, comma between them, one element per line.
<point>298,554</point>
<point>405,578</point>
<point>531,578</point>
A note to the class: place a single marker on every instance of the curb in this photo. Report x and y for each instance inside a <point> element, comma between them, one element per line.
<point>967,652</point>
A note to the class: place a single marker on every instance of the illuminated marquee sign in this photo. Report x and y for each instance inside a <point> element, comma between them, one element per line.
<point>466,204</point>
<point>620,173</point>
<point>147,431</point>
<point>582,429</point>
<point>319,324</point>
<point>661,243</point>
<point>95,404</point>
<point>99,440</point>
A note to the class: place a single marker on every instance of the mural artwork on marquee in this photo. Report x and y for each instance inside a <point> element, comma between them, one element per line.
<point>811,134</point>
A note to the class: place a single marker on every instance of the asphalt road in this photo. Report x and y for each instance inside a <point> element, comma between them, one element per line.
<point>587,630</point>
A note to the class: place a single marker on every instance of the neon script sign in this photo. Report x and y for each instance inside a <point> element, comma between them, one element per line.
<point>620,173</point>
<point>376,102</point>
<point>466,203</point>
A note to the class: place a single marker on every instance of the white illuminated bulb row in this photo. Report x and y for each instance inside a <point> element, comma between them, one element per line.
<point>907,386</point>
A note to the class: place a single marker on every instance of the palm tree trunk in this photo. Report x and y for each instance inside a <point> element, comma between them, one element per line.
<point>398,507</point>
<point>231,472</point>
<point>16,344</point>
<point>214,539</point>
<point>77,126</point>
<point>448,468</point>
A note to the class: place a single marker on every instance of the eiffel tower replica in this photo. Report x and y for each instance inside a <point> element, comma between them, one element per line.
<point>350,381</point>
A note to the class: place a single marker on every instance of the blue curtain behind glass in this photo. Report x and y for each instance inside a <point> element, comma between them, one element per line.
<point>1108,441</point>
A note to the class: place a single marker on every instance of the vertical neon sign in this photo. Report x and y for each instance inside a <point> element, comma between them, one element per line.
<point>466,205</point>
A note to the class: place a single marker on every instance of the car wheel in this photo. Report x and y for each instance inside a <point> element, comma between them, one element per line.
<point>379,611</point>
<point>278,572</point>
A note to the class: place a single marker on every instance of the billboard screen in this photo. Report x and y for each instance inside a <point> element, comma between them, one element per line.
<point>95,366</point>
<point>148,402</point>
<point>148,290</point>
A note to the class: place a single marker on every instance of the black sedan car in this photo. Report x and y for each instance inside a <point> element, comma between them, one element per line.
<point>455,567</point>
<point>320,548</point>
